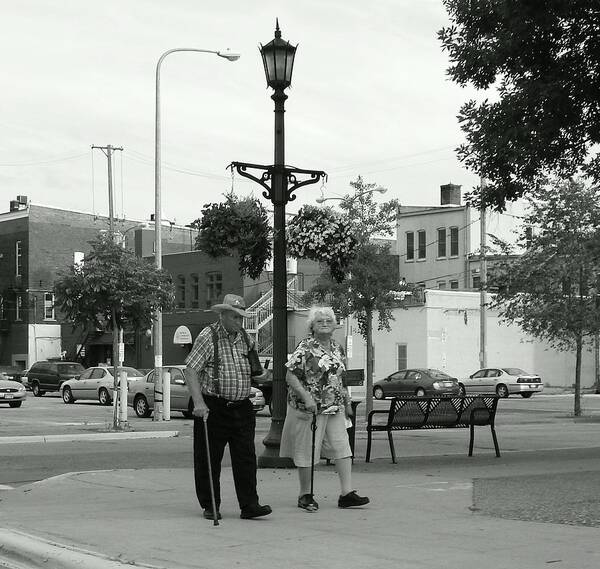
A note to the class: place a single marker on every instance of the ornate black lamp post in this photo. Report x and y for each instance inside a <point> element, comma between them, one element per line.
<point>280,182</point>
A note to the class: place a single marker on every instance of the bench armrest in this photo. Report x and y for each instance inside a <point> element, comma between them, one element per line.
<point>374,412</point>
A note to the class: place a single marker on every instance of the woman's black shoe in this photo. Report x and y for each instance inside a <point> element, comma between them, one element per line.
<point>307,502</point>
<point>352,499</point>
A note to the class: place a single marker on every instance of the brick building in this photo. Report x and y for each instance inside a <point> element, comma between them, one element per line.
<point>37,243</point>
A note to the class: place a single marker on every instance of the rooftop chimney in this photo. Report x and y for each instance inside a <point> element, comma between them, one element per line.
<point>450,194</point>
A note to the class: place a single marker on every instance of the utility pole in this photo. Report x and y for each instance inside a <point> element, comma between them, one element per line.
<point>482,282</point>
<point>119,392</point>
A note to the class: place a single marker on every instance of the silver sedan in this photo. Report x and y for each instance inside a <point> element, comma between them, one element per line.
<point>95,384</point>
<point>503,381</point>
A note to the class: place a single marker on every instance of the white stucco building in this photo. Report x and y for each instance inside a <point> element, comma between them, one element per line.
<point>443,333</point>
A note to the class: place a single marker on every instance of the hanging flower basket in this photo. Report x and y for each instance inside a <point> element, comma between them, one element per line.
<point>320,234</point>
<point>239,225</point>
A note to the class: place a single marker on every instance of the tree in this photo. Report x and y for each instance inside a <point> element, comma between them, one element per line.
<point>370,272</point>
<point>551,291</point>
<point>542,60</point>
<point>366,290</point>
<point>112,288</point>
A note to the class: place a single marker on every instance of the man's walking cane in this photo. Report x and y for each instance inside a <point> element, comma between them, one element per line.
<point>313,428</point>
<point>210,477</point>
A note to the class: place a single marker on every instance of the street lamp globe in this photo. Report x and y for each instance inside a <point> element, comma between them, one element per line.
<point>229,55</point>
<point>278,60</point>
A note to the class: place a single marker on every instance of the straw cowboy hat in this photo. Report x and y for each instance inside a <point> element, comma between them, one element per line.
<point>232,302</point>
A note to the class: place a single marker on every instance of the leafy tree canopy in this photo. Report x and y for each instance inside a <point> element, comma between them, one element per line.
<point>369,218</point>
<point>112,277</point>
<point>551,290</point>
<point>543,60</point>
<point>368,288</point>
<point>239,225</point>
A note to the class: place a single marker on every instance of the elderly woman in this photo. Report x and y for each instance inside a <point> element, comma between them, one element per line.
<point>314,378</point>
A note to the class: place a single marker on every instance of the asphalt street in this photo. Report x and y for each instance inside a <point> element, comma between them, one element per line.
<point>538,504</point>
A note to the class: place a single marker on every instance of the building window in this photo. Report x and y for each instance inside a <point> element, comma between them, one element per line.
<point>454,285</point>
<point>476,281</point>
<point>49,306</point>
<point>441,285</point>
<point>422,244</point>
<point>214,287</point>
<point>441,242</point>
<point>410,246</point>
<point>18,259</point>
<point>401,356</point>
<point>454,241</point>
<point>180,291</point>
<point>195,291</point>
<point>18,307</point>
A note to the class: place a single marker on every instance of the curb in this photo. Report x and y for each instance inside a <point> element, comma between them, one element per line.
<point>88,437</point>
<point>19,549</point>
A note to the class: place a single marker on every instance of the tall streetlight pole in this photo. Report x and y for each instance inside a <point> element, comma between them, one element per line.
<point>278,59</point>
<point>158,345</point>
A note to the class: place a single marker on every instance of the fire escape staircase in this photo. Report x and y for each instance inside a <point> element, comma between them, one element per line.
<point>258,323</point>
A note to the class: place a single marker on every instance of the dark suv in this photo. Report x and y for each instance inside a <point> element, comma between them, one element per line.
<point>50,375</point>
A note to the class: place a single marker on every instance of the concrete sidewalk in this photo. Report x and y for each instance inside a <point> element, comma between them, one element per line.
<point>433,511</point>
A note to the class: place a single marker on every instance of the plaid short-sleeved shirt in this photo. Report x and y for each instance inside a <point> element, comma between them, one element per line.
<point>233,382</point>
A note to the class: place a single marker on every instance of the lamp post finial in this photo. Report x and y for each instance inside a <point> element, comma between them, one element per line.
<point>277,30</point>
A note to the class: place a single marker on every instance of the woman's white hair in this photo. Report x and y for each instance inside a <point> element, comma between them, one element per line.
<point>316,311</point>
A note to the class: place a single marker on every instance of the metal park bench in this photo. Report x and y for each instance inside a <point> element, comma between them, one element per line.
<point>408,413</point>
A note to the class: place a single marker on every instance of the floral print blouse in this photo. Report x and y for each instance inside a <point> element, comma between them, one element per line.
<point>319,373</point>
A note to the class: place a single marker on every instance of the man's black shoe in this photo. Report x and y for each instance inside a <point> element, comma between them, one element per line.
<point>352,499</point>
<point>208,514</point>
<point>255,511</point>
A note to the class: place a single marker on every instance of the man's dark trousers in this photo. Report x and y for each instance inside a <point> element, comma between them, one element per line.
<point>234,425</point>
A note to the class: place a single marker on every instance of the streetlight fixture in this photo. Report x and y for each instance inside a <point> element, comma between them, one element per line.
<point>158,395</point>
<point>278,60</point>
<point>355,196</point>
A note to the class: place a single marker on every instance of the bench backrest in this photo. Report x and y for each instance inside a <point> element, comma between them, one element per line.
<point>436,412</point>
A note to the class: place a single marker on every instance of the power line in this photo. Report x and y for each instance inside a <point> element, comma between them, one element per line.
<point>356,165</point>
<point>43,162</point>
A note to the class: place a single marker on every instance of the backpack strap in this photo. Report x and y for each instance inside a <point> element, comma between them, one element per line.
<point>215,339</point>
<point>247,339</point>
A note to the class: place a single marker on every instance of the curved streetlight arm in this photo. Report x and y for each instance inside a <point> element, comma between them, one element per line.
<point>352,198</point>
<point>230,56</point>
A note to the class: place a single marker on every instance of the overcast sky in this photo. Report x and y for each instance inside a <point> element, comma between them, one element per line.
<point>369,96</point>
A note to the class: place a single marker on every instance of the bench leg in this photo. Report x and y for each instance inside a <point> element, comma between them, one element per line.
<point>392,449</point>
<point>368,457</point>
<point>472,439</point>
<point>495,441</point>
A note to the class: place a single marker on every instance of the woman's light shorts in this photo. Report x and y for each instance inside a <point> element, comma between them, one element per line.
<point>331,437</point>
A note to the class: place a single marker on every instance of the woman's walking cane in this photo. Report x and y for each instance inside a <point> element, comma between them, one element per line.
<point>210,477</point>
<point>313,428</point>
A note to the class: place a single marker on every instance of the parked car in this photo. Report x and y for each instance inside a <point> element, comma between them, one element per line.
<point>419,382</point>
<point>49,375</point>
<point>11,392</point>
<point>265,382</point>
<point>141,394</point>
<point>503,381</point>
<point>95,383</point>
<point>12,372</point>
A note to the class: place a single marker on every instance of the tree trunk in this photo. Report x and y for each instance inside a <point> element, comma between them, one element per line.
<point>577,407</point>
<point>369,338</point>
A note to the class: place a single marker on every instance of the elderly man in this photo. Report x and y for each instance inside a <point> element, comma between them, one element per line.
<point>220,390</point>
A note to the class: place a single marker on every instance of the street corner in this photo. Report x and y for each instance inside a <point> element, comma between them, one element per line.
<point>19,549</point>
